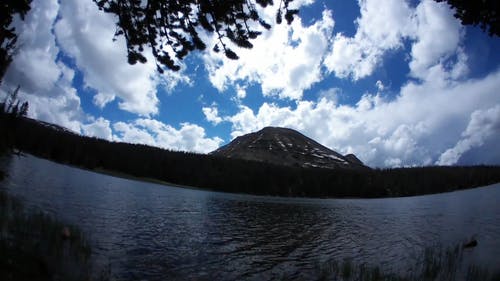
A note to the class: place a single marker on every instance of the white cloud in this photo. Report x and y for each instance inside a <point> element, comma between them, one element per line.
<point>483,125</point>
<point>285,60</point>
<point>85,33</point>
<point>34,66</point>
<point>415,128</point>
<point>380,86</point>
<point>298,53</point>
<point>212,115</point>
<point>45,82</point>
<point>190,137</point>
<point>379,30</point>
<point>331,94</point>
<point>441,118</point>
<point>437,36</point>
<point>127,132</point>
<point>431,27</point>
<point>241,92</point>
<point>63,109</point>
<point>99,128</point>
<point>51,98</point>
<point>422,121</point>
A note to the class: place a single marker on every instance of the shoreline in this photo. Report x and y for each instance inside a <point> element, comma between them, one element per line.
<point>122,175</point>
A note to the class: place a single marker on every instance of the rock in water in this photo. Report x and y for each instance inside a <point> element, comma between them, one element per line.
<point>471,244</point>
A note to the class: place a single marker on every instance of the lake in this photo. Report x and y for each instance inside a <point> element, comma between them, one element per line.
<point>147,231</point>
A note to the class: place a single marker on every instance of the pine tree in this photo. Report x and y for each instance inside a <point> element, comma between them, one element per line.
<point>8,36</point>
<point>171,28</point>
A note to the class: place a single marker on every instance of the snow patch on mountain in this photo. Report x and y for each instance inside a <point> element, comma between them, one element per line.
<point>284,146</point>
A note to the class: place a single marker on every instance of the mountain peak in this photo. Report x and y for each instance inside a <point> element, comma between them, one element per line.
<point>284,146</point>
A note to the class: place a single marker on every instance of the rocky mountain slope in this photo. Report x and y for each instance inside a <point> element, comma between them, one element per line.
<point>284,146</point>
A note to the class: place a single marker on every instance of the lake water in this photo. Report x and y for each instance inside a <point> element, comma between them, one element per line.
<point>147,231</point>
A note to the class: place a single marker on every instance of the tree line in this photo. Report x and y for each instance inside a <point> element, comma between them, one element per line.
<point>232,175</point>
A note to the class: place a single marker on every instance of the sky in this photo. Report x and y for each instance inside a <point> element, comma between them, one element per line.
<point>397,83</point>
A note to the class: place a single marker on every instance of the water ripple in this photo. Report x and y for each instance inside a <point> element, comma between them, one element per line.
<point>151,232</point>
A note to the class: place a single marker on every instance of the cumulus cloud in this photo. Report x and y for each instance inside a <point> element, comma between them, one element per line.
<point>190,137</point>
<point>483,125</point>
<point>62,107</point>
<point>77,29</point>
<point>300,54</point>
<point>379,30</point>
<point>99,128</point>
<point>438,117</point>
<point>34,66</point>
<point>84,33</point>
<point>431,27</point>
<point>44,82</point>
<point>285,60</point>
<point>438,34</point>
<point>418,125</point>
<point>212,115</point>
<point>380,86</point>
<point>414,128</point>
<point>241,92</point>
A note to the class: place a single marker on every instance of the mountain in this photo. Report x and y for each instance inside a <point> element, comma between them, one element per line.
<point>233,174</point>
<point>288,147</point>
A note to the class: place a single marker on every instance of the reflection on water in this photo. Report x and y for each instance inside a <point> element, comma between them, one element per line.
<point>148,231</point>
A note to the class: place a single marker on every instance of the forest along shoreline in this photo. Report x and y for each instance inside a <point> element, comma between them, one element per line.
<point>218,173</point>
<point>26,231</point>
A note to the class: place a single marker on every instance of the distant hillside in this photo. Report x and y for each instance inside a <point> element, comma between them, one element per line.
<point>288,147</point>
<point>219,172</point>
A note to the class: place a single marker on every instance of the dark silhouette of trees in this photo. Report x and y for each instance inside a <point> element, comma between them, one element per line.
<point>11,109</point>
<point>235,175</point>
<point>8,36</point>
<point>12,106</point>
<point>172,27</point>
<point>484,13</point>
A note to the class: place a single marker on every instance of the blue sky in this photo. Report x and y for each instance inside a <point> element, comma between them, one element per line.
<point>398,83</point>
